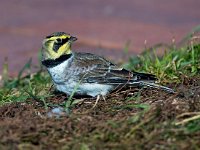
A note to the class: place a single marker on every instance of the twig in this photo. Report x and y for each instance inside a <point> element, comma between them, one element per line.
<point>188,120</point>
<point>188,114</point>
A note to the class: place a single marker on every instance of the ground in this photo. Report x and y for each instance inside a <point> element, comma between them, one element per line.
<point>127,119</point>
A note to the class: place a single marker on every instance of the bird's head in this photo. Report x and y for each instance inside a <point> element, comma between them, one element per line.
<point>56,45</point>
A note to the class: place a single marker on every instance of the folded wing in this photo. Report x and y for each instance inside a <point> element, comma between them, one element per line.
<point>100,70</point>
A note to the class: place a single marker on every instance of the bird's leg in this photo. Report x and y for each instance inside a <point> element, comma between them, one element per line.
<point>103,98</point>
<point>98,97</point>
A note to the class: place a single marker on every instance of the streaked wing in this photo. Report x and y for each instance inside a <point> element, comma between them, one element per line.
<point>118,76</point>
<point>100,70</point>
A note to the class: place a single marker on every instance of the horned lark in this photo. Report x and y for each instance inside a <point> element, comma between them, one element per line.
<point>91,74</point>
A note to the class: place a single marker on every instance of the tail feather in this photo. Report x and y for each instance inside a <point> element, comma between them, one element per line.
<point>152,85</point>
<point>148,80</point>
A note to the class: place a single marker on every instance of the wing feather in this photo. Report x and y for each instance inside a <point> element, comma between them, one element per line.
<point>99,70</point>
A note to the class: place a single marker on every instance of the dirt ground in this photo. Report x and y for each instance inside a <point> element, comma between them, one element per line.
<point>123,121</point>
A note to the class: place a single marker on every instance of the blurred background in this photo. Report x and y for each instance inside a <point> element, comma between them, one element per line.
<point>104,27</point>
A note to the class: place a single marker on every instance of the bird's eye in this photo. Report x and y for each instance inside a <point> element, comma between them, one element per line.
<point>59,40</point>
<point>65,40</point>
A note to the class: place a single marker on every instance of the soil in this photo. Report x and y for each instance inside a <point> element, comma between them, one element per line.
<point>119,122</point>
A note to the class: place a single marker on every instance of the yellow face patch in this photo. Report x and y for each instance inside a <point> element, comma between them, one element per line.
<point>61,48</point>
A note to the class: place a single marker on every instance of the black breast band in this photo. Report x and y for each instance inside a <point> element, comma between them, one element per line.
<point>49,63</point>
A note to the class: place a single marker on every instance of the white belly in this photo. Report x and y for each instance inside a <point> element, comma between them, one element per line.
<point>65,83</point>
<point>91,89</point>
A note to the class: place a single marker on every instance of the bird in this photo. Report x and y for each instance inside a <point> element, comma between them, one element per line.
<point>85,73</point>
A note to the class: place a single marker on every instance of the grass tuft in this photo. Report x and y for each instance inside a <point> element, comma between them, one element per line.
<point>170,66</point>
